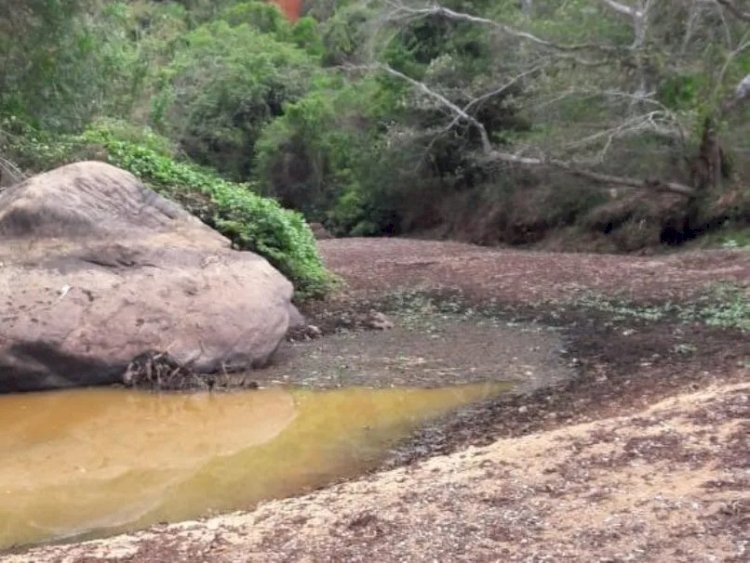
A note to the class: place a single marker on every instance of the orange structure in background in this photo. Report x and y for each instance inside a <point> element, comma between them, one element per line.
<point>292,8</point>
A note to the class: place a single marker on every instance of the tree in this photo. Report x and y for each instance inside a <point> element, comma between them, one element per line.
<point>223,87</point>
<point>58,66</point>
<point>594,78</point>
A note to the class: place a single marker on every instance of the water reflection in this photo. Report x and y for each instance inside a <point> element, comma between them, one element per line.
<point>107,460</point>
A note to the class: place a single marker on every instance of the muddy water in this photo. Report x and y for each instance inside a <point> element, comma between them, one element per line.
<point>91,462</point>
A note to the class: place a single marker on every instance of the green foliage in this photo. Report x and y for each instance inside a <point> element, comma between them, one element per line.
<point>223,87</point>
<point>262,16</point>
<point>306,35</point>
<point>250,221</point>
<point>108,130</point>
<point>30,148</point>
<point>57,68</point>
<point>682,92</point>
<point>730,238</point>
<point>724,305</point>
<point>315,156</point>
<point>345,33</point>
<point>234,86</point>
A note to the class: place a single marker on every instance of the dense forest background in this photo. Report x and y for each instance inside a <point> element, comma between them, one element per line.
<point>577,124</point>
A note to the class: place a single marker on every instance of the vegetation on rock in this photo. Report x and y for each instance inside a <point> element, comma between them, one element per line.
<point>250,221</point>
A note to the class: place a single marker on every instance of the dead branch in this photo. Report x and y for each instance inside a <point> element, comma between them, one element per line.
<point>10,171</point>
<point>400,12</point>
<point>624,9</point>
<point>460,113</point>
<point>598,177</point>
<point>493,93</point>
<point>736,11</point>
<point>489,152</point>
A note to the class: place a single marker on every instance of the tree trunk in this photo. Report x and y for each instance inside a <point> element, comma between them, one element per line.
<point>711,165</point>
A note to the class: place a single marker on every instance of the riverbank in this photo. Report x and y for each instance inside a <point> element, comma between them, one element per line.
<point>638,451</point>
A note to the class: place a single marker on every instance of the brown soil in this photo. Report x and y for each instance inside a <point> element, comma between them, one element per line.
<point>629,441</point>
<point>372,266</point>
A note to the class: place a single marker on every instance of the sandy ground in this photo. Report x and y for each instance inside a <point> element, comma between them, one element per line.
<point>641,454</point>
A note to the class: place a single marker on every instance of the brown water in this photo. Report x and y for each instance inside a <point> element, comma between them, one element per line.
<point>91,462</point>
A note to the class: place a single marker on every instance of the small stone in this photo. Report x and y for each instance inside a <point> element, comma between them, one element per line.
<point>313,332</point>
<point>378,321</point>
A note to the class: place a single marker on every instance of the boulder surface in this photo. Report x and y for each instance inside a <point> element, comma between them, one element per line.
<point>96,269</point>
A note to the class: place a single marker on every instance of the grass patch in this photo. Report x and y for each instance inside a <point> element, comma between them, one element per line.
<point>728,238</point>
<point>721,305</point>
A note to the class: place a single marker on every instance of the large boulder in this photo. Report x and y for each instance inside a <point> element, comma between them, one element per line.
<point>96,269</point>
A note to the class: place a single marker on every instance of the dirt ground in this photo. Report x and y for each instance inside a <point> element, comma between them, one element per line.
<point>371,266</point>
<point>629,440</point>
<point>424,349</point>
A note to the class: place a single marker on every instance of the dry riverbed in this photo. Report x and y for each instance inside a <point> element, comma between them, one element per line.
<point>627,438</point>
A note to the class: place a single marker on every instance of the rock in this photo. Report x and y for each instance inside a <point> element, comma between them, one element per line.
<point>96,269</point>
<point>313,332</point>
<point>376,320</point>
<point>304,332</point>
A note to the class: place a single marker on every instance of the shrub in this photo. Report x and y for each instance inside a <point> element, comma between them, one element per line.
<point>223,86</point>
<point>32,149</point>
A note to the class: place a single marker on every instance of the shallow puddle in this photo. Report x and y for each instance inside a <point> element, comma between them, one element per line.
<point>91,462</point>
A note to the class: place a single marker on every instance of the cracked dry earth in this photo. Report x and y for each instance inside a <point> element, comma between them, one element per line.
<point>641,457</point>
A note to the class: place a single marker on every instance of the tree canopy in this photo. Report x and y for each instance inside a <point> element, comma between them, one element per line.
<point>496,121</point>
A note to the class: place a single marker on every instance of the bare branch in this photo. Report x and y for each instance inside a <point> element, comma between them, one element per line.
<point>724,23</point>
<point>735,10</point>
<point>10,171</point>
<point>401,11</point>
<point>669,124</point>
<point>459,112</point>
<point>598,177</point>
<point>690,25</point>
<point>623,9</point>
<point>493,93</point>
<point>491,153</point>
<point>648,184</point>
<point>652,122</point>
